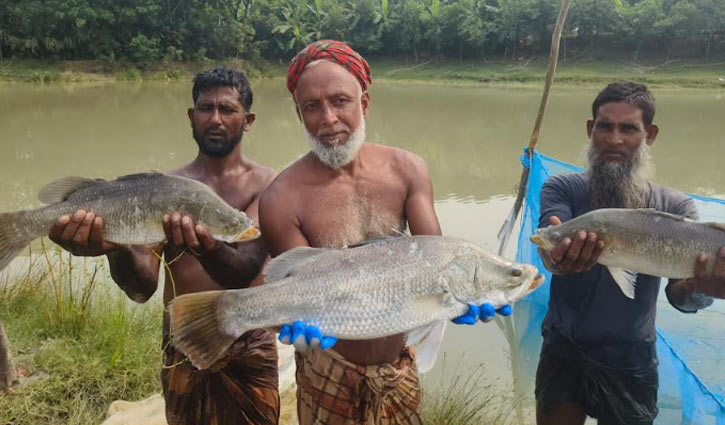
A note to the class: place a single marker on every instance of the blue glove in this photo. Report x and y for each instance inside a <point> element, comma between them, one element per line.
<point>303,337</point>
<point>485,312</point>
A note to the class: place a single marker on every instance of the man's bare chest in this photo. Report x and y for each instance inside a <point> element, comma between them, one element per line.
<point>338,216</point>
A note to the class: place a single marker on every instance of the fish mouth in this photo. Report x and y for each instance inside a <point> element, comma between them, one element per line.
<point>534,284</point>
<point>248,235</point>
<point>537,240</point>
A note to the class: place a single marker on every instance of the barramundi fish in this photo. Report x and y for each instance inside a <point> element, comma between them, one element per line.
<point>385,287</point>
<point>641,241</point>
<point>132,208</point>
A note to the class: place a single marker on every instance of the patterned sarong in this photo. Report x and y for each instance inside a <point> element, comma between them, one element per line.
<point>334,391</point>
<point>240,389</point>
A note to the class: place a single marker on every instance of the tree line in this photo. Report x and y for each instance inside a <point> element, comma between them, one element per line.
<point>147,31</point>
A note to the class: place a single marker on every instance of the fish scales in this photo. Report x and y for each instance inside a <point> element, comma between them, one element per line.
<point>132,208</point>
<point>642,241</point>
<point>382,300</point>
<point>379,289</point>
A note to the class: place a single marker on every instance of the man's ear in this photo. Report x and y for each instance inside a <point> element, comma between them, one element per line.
<point>652,132</point>
<point>365,103</point>
<point>248,120</point>
<point>190,112</point>
<point>590,128</point>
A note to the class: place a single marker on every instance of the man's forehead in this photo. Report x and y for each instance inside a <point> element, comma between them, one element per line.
<point>326,76</point>
<point>619,111</point>
<point>219,93</point>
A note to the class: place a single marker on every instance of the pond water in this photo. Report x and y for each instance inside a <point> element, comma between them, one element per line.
<point>470,137</point>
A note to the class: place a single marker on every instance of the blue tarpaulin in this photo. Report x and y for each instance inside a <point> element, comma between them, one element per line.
<point>689,346</point>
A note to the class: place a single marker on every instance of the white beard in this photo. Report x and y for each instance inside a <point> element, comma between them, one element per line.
<point>338,155</point>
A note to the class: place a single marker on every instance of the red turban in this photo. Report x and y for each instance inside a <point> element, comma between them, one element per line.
<point>335,52</point>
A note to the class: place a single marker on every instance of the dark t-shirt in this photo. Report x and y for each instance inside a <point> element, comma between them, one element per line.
<point>589,309</point>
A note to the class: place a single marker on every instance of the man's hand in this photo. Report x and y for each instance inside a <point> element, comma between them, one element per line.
<point>81,234</point>
<point>183,234</point>
<point>305,337</point>
<point>575,255</point>
<point>486,312</point>
<point>712,284</point>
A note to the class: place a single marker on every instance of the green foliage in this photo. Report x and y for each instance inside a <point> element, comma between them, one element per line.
<point>146,31</point>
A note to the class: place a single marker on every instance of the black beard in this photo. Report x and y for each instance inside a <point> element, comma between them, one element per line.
<point>216,149</point>
<point>617,185</point>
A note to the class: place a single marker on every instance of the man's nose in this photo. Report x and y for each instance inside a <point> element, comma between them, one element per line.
<point>329,116</point>
<point>616,138</point>
<point>215,117</point>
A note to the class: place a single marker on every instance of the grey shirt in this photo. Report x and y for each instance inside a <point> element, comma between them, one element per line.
<point>588,309</point>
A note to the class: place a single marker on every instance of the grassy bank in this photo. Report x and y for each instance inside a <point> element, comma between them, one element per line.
<point>674,74</point>
<point>79,346</point>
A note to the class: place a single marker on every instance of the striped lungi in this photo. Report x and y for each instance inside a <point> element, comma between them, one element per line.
<point>240,389</point>
<point>333,391</point>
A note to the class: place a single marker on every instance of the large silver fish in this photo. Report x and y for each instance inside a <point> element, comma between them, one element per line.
<point>132,208</point>
<point>382,288</point>
<point>641,241</point>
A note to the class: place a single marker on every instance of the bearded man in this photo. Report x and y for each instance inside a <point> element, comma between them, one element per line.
<point>598,357</point>
<point>241,388</point>
<point>344,191</point>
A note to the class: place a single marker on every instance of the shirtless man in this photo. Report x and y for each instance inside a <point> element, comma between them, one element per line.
<point>342,192</point>
<point>242,387</point>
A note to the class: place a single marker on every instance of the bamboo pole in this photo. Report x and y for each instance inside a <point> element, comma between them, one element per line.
<point>505,232</point>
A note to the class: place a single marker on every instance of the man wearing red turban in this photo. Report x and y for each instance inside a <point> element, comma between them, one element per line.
<point>342,192</point>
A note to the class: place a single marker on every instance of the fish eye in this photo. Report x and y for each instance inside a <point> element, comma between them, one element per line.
<point>516,272</point>
<point>234,222</point>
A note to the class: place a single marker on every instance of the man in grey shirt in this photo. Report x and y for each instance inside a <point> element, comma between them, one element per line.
<point>598,356</point>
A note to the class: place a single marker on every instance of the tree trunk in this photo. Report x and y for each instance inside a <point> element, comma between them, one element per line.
<point>8,373</point>
<point>707,51</point>
<point>460,53</point>
<point>415,53</point>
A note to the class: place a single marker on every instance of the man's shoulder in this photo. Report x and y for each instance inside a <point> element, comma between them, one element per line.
<point>671,200</point>
<point>568,181</point>
<point>399,159</point>
<point>261,175</point>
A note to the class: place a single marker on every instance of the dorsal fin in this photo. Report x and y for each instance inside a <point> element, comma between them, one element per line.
<point>663,214</point>
<point>718,226</point>
<point>282,266</point>
<point>59,190</point>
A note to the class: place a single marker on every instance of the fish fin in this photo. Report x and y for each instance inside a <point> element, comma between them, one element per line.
<point>282,266</point>
<point>663,214</point>
<point>59,190</point>
<point>196,328</point>
<point>719,226</point>
<point>427,342</point>
<point>372,241</point>
<point>139,176</point>
<point>12,241</point>
<point>625,280</point>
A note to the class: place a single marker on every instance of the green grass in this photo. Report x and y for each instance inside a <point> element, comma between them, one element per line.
<point>672,74</point>
<point>80,343</point>
<point>466,397</point>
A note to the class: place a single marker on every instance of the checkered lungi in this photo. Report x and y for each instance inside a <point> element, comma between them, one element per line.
<point>334,391</point>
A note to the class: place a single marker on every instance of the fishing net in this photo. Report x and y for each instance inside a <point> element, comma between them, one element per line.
<point>690,347</point>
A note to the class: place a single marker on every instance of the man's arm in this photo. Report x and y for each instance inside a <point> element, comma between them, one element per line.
<point>134,268</point>
<point>278,222</point>
<point>419,209</point>
<point>232,266</point>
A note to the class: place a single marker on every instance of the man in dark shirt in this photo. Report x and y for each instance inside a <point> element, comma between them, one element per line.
<point>598,356</point>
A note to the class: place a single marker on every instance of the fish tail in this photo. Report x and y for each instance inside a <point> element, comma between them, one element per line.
<point>196,328</point>
<point>13,238</point>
